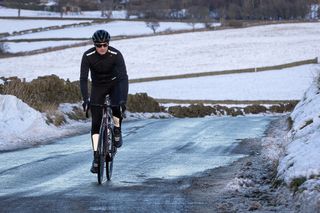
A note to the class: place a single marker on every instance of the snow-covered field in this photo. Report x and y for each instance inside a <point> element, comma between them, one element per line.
<point>10,25</point>
<point>185,53</point>
<point>287,84</point>
<point>29,46</point>
<point>84,14</point>
<point>115,28</point>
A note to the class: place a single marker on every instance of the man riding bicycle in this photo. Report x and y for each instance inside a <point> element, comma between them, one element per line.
<point>109,76</point>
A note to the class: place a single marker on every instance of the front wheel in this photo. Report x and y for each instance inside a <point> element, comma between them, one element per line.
<point>101,169</point>
<point>101,147</point>
<point>111,152</point>
<point>109,160</point>
<point>109,167</point>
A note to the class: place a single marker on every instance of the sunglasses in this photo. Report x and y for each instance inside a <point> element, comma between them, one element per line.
<point>101,45</point>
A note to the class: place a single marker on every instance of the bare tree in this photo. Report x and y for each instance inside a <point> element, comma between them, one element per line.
<point>197,14</point>
<point>151,9</point>
<point>153,25</point>
<point>3,48</point>
<point>20,4</point>
<point>208,23</point>
<point>260,9</point>
<point>155,9</point>
<point>200,10</point>
<point>106,7</point>
<point>73,5</point>
<point>61,4</point>
<point>88,4</point>
<point>247,9</point>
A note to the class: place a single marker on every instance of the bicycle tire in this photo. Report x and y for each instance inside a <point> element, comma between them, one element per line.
<point>109,162</point>
<point>101,151</point>
<point>109,167</point>
<point>101,170</point>
<point>106,147</point>
<point>109,156</point>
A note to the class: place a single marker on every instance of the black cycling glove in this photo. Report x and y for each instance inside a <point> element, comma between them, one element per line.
<point>123,108</point>
<point>86,105</point>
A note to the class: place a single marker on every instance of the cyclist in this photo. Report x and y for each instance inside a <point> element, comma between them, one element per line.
<point>109,76</point>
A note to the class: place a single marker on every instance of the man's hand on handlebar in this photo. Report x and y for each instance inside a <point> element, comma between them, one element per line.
<point>86,105</point>
<point>123,108</point>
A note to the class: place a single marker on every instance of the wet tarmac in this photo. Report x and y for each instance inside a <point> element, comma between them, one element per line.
<point>153,171</point>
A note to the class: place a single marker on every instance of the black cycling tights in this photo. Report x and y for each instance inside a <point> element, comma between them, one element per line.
<point>118,92</point>
<point>96,113</point>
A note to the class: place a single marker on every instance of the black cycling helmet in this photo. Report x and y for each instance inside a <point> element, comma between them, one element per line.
<point>101,36</point>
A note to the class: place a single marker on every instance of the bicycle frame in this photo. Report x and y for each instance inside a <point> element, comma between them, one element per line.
<point>106,147</point>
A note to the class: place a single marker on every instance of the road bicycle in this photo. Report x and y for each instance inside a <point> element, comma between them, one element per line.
<point>106,147</point>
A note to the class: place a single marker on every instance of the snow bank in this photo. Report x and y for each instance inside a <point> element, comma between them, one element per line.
<point>21,126</point>
<point>302,156</point>
<point>20,123</point>
<point>115,28</point>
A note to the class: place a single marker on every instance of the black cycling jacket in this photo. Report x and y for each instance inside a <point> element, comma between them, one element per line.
<point>103,69</point>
